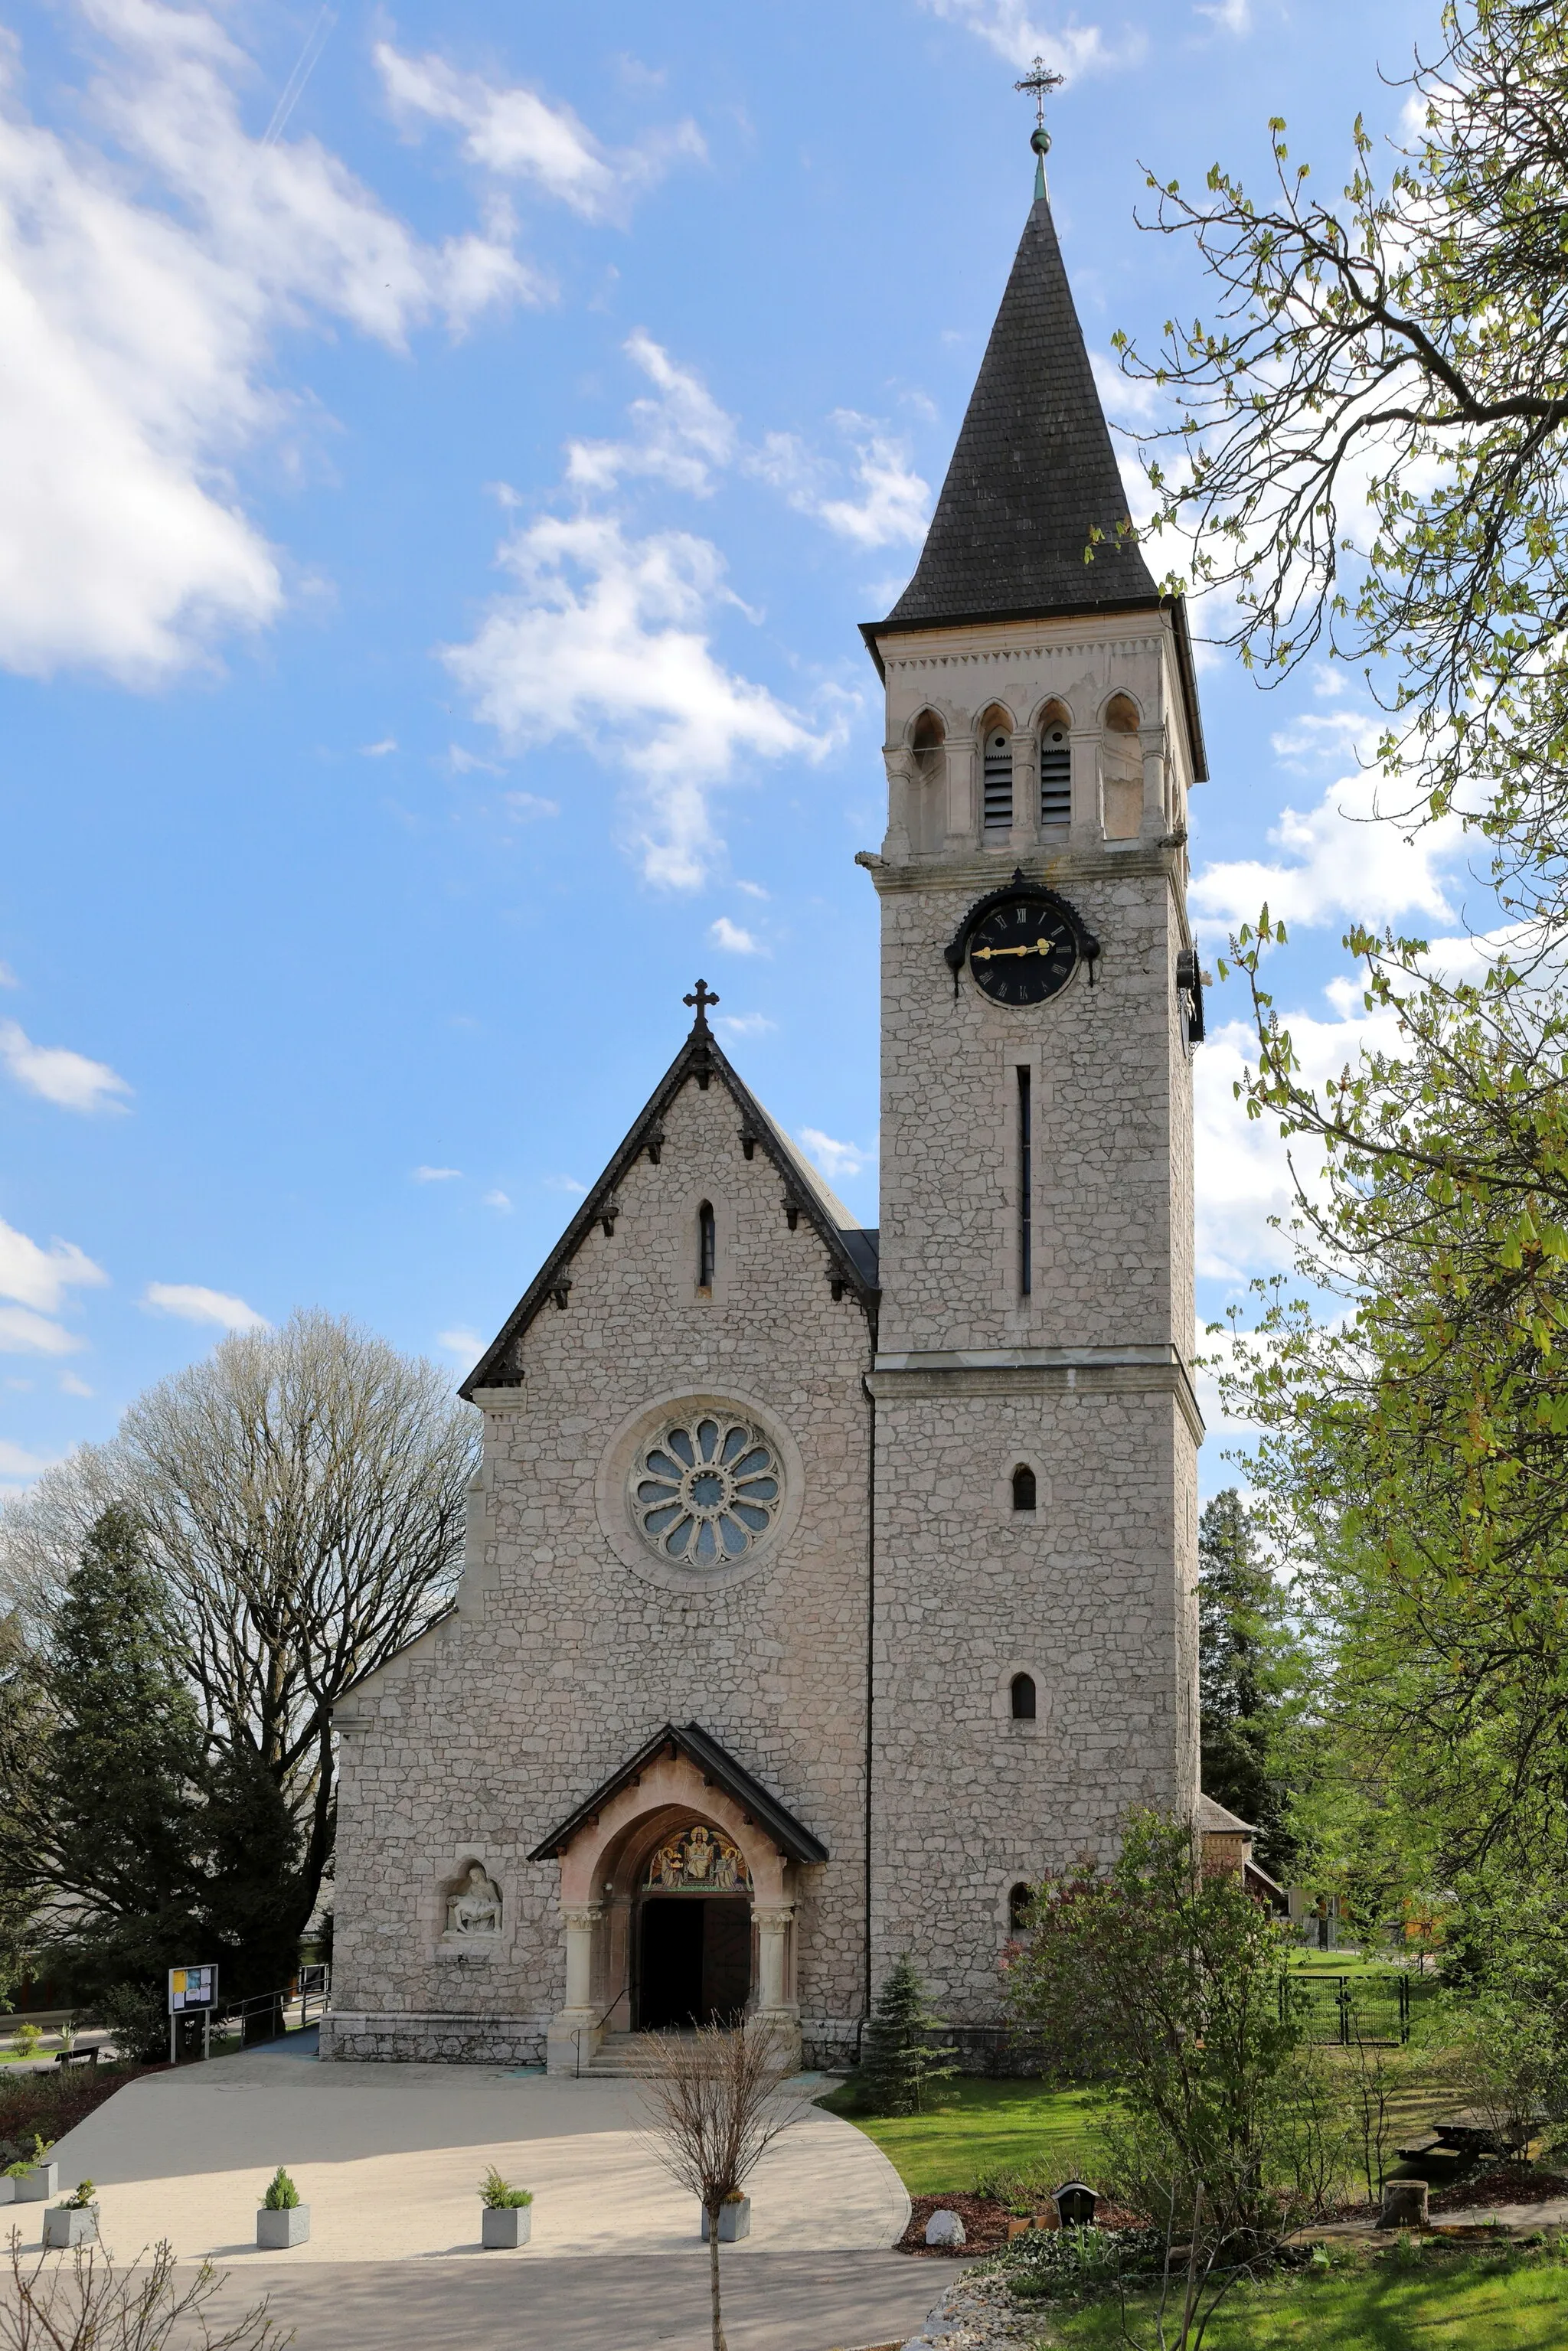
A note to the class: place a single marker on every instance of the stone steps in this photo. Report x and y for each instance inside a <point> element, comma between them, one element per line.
<point>624,2056</point>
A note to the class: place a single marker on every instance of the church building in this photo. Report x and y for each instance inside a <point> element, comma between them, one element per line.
<point>824,1586</point>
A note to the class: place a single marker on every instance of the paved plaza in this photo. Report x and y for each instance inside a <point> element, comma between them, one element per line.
<point>389,2158</point>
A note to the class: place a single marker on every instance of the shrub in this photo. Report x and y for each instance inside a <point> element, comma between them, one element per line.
<point>282,2196</point>
<point>497,2197</point>
<point>1075,2264</point>
<point>27,2163</point>
<point>138,2021</point>
<point>26,2038</point>
<point>901,2056</point>
<point>82,2199</point>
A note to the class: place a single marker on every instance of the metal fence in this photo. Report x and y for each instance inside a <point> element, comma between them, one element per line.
<point>1374,2009</point>
<point>245,2024</point>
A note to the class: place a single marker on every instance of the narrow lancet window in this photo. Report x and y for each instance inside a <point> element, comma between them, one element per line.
<point>1018,1903</point>
<point>1023,1698</point>
<point>997,770</point>
<point>1055,770</point>
<point>1026,1187</point>
<point>1023,1488</point>
<point>708,1243</point>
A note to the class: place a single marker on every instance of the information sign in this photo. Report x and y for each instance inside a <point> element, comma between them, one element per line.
<point>191,1987</point>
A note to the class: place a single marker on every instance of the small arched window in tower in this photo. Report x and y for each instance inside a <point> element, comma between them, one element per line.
<point>1023,1698</point>
<point>1019,1899</point>
<point>1023,1488</point>
<point>928,814</point>
<point>707,1245</point>
<point>1055,766</point>
<point>997,772</point>
<point>1121,771</point>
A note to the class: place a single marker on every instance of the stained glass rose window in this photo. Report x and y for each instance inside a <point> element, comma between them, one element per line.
<point>706,1488</point>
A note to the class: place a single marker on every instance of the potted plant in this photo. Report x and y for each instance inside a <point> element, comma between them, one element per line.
<point>734,2218</point>
<point>74,2221</point>
<point>282,2220</point>
<point>35,2177</point>
<point>506,2221</point>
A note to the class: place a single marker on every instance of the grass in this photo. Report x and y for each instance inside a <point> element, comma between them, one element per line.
<point>1425,2299</point>
<point>977,2126</point>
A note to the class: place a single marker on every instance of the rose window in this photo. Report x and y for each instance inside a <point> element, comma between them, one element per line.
<point>706,1490</point>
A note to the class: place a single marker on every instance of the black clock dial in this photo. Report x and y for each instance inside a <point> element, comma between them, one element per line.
<point>1022,952</point>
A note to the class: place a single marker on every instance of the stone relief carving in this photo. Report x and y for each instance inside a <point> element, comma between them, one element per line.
<point>698,1861</point>
<point>476,1909</point>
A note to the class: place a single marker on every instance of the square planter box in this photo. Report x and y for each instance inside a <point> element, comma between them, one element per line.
<point>275,2230</point>
<point>734,2221</point>
<point>37,2187</point>
<point>7,2190</point>
<point>65,2225</point>
<point>506,2227</point>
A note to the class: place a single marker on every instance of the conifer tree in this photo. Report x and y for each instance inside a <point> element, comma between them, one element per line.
<point>901,2056</point>
<point>1246,1673</point>
<point>256,1899</point>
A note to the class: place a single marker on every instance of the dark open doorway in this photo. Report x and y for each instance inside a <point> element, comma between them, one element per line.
<point>696,1961</point>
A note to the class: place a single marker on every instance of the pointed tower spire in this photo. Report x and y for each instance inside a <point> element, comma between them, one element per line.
<point>1033,484</point>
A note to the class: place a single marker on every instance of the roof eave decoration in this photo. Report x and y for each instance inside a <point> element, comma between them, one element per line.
<point>716,1765</point>
<point>700,1058</point>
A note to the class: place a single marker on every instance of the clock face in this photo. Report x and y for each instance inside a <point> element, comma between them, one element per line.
<point>1022,952</point>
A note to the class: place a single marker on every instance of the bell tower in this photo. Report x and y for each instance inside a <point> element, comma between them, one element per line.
<point>1034,1618</point>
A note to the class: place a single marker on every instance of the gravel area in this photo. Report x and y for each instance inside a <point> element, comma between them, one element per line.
<point>975,2314</point>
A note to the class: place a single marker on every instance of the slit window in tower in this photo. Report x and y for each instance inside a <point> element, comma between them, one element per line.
<point>706,1245</point>
<point>1023,1698</point>
<point>997,779</point>
<point>1026,1188</point>
<point>1055,776</point>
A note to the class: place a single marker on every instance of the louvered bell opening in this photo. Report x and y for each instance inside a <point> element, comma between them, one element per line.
<point>1055,777</point>
<point>999,781</point>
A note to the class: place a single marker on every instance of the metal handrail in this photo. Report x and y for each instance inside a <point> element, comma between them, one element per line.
<point>624,1993</point>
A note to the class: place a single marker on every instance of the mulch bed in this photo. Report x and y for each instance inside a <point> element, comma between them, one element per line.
<point>984,2225</point>
<point>52,2104</point>
<point>1499,2183</point>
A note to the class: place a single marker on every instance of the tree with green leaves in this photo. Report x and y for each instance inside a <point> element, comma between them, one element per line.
<point>1246,1676</point>
<point>1369,453</point>
<point>1174,1987</point>
<point>103,1774</point>
<point>902,2057</point>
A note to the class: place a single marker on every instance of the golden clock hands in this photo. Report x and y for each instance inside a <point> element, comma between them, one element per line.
<point>1041,947</point>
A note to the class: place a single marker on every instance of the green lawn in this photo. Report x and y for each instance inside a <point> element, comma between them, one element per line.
<point>975,2127</point>
<point>1437,2301</point>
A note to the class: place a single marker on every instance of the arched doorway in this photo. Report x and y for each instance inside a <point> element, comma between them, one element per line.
<point>692,1934</point>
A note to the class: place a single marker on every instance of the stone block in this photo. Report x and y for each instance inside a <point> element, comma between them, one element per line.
<point>1404,2204</point>
<point>944,2229</point>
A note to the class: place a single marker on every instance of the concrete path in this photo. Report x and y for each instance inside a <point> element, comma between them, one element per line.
<point>773,2302</point>
<point>389,2158</point>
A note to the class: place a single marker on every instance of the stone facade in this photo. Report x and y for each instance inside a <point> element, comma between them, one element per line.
<point>844,1669</point>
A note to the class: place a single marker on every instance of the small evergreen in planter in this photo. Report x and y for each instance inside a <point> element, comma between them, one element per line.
<point>35,2179</point>
<point>73,2222</point>
<point>506,2221</point>
<point>901,2056</point>
<point>283,2220</point>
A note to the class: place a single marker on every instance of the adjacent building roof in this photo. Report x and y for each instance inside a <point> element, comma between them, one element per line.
<point>715,1764</point>
<point>1034,476</point>
<point>1213,1820</point>
<point>851,1247</point>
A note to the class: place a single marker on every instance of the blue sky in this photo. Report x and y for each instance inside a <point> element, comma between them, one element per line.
<point>447,454</point>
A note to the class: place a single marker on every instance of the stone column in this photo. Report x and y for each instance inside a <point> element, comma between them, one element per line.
<point>574,2030</point>
<point>774,2006</point>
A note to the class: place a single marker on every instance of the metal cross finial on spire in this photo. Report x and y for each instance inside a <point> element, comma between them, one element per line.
<point>702,998</point>
<point>1038,83</point>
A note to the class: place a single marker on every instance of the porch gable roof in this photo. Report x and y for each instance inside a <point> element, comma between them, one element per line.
<point>716,1765</point>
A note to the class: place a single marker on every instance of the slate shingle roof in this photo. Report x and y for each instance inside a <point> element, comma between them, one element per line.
<point>1033,471</point>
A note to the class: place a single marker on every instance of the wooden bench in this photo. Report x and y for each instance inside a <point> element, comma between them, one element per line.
<point>77,2056</point>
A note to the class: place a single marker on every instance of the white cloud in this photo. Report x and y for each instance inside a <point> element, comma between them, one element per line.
<point>746,1024</point>
<point>378,750</point>
<point>893,507</point>
<point>7,977</point>
<point>497,1200</point>
<point>526,806</point>
<point>15,1462</point>
<point>143,285</point>
<point>189,1301</point>
<point>516,134</point>
<point>22,1332</point>
<point>1007,27</point>
<point>1227,15</point>
<point>834,1159</point>
<point>68,1079</point>
<point>607,640</point>
<point>71,1385</point>
<point>1338,862</point>
<point>752,889</point>
<point>566,1184</point>
<point>435,1174</point>
<point>470,763</point>
<point>732,938</point>
<point>469,1344</point>
<point>40,1278</point>
<point>682,436</point>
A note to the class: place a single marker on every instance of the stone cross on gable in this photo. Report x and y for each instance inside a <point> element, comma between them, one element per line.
<point>702,998</point>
